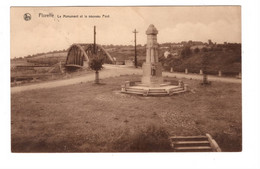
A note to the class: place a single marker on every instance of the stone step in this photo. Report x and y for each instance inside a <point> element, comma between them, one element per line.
<point>190,143</point>
<point>135,92</point>
<point>194,144</point>
<point>176,92</point>
<point>134,89</point>
<point>157,94</point>
<point>193,149</point>
<point>156,90</point>
<point>176,89</point>
<point>153,91</point>
<point>187,138</point>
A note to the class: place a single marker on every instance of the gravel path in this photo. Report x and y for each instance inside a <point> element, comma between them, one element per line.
<point>113,71</point>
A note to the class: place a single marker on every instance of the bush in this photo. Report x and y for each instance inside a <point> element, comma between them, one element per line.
<point>186,51</point>
<point>196,50</point>
<point>96,63</point>
<point>150,139</point>
<point>204,49</point>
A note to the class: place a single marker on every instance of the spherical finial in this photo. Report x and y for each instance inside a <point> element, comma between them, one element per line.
<point>151,30</point>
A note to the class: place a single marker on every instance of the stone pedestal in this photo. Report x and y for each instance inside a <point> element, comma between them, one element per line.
<point>152,74</point>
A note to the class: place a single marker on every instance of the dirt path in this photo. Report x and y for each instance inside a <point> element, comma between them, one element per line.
<point>112,71</point>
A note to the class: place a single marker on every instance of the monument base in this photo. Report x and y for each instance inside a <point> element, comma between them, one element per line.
<point>152,74</point>
<point>165,89</point>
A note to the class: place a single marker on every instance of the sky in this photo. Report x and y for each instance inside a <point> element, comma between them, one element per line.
<point>116,26</point>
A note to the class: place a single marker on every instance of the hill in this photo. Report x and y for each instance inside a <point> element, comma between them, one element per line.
<point>211,59</point>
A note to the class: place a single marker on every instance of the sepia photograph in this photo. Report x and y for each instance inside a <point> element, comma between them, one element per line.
<point>126,79</point>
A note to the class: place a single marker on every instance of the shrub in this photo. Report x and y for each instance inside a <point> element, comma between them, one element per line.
<point>150,139</point>
<point>186,51</point>
<point>196,50</point>
<point>96,64</point>
<point>204,49</point>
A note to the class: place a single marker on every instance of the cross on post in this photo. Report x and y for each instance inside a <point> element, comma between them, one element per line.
<point>135,32</point>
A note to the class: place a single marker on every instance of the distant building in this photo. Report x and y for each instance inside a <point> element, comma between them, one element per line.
<point>166,54</point>
<point>175,54</point>
<point>176,45</point>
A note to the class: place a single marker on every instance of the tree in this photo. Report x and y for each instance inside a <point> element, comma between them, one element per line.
<point>204,49</point>
<point>196,50</point>
<point>186,51</point>
<point>96,65</point>
<point>175,62</point>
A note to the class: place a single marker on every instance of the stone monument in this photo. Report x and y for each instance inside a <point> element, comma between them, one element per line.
<point>152,68</point>
<point>152,83</point>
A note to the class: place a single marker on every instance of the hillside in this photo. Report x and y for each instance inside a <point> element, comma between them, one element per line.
<point>226,58</point>
<point>228,62</point>
<point>209,58</point>
<point>194,57</point>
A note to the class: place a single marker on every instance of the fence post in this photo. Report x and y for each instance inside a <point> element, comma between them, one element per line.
<point>171,69</point>
<point>219,73</point>
<point>186,71</point>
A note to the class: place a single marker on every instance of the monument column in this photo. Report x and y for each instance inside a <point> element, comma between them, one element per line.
<point>152,69</point>
<point>148,53</point>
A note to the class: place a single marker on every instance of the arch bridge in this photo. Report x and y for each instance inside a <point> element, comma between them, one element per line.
<point>79,55</point>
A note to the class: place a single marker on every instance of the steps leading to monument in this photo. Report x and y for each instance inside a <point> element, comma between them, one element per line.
<point>166,90</point>
<point>157,91</point>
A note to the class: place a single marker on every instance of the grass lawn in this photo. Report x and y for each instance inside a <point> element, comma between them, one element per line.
<point>98,118</point>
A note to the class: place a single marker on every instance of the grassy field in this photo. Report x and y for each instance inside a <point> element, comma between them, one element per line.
<point>98,118</point>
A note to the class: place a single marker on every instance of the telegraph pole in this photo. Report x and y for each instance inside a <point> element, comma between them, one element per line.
<point>94,39</point>
<point>135,32</point>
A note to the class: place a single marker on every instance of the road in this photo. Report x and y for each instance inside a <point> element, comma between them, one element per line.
<point>113,71</point>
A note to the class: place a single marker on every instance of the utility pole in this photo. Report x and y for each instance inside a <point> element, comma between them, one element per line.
<point>135,32</point>
<point>94,39</point>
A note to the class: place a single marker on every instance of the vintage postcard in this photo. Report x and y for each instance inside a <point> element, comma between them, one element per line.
<point>126,79</point>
